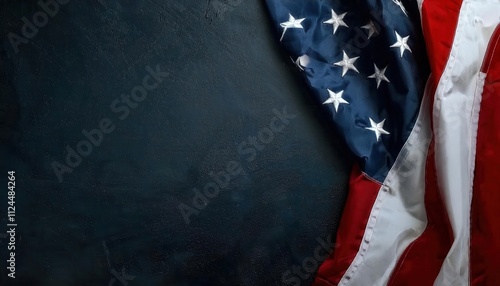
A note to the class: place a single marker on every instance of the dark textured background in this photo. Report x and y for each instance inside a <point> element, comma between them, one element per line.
<point>119,208</point>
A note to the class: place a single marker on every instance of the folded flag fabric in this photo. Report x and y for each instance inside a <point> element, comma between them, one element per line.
<point>413,88</point>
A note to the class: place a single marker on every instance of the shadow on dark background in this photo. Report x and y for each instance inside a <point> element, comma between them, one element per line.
<point>115,218</point>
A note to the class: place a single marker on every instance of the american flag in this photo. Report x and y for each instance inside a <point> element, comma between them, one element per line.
<point>413,88</point>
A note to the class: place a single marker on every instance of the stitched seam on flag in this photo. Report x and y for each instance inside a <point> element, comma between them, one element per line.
<point>476,108</point>
<point>452,59</point>
<point>384,189</point>
<point>358,260</point>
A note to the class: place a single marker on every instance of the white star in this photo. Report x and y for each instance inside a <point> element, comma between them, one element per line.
<point>378,128</point>
<point>336,21</point>
<point>379,75</point>
<point>292,23</point>
<point>336,99</point>
<point>347,63</point>
<point>371,29</point>
<point>401,43</point>
<point>301,61</point>
<point>398,2</point>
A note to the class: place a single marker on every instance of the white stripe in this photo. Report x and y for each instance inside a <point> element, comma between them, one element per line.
<point>398,216</point>
<point>455,113</point>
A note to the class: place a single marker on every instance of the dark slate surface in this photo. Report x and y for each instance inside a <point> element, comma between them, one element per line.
<point>115,219</point>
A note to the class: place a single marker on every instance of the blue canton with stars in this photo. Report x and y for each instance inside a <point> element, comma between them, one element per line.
<point>365,62</point>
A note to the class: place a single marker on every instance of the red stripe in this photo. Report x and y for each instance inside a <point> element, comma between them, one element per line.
<point>362,195</point>
<point>485,216</point>
<point>439,21</point>
<point>421,262</point>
